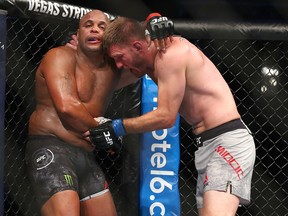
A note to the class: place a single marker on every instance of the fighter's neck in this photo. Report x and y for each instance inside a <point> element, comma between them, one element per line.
<point>92,59</point>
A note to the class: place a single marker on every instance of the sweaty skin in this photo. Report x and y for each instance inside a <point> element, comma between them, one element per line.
<point>189,84</point>
<point>74,86</point>
<point>65,105</point>
<point>193,87</point>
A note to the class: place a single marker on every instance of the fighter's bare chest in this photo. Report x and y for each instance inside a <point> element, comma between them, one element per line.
<point>95,85</point>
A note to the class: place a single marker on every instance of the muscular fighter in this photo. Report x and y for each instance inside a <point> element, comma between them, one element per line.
<point>73,86</point>
<point>189,84</point>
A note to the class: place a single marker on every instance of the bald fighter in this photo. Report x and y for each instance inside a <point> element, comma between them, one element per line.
<point>73,86</point>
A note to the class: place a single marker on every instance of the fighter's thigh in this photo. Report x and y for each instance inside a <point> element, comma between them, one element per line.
<point>62,203</point>
<point>218,203</point>
<point>101,205</point>
<point>50,171</point>
<point>91,179</point>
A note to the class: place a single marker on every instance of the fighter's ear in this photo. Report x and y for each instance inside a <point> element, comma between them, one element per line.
<point>137,45</point>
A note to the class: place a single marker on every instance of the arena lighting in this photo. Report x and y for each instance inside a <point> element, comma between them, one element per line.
<point>266,71</point>
<point>270,76</point>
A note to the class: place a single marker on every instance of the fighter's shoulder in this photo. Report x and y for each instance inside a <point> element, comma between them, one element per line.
<point>181,43</point>
<point>176,50</point>
<point>61,52</point>
<point>183,49</point>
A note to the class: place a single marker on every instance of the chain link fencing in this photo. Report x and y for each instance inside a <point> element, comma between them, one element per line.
<point>27,41</point>
<point>256,71</point>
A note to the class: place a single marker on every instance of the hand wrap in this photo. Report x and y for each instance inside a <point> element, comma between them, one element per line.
<point>159,26</point>
<point>108,134</point>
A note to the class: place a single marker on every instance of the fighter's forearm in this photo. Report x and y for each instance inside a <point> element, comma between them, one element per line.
<point>77,118</point>
<point>151,121</point>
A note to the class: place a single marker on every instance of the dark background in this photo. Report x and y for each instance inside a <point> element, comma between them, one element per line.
<point>260,11</point>
<point>239,60</point>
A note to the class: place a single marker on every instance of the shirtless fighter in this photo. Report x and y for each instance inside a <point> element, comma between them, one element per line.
<point>73,86</point>
<point>188,83</point>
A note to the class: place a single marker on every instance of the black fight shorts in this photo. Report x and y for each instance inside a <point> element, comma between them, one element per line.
<point>54,166</point>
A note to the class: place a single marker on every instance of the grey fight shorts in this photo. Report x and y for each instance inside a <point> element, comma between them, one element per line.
<point>225,157</point>
<point>54,166</point>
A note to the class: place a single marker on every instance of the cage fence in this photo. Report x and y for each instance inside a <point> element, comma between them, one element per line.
<point>255,69</point>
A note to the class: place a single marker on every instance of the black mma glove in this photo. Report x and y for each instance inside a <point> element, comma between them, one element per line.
<point>108,134</point>
<point>158,26</point>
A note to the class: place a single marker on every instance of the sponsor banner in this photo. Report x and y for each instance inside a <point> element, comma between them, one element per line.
<point>159,162</point>
<point>2,99</point>
<point>43,9</point>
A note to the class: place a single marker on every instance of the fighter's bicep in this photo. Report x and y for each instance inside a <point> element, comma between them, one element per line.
<point>59,76</point>
<point>171,88</point>
<point>170,93</point>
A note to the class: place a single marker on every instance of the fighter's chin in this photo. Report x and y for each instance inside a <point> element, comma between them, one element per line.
<point>94,48</point>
